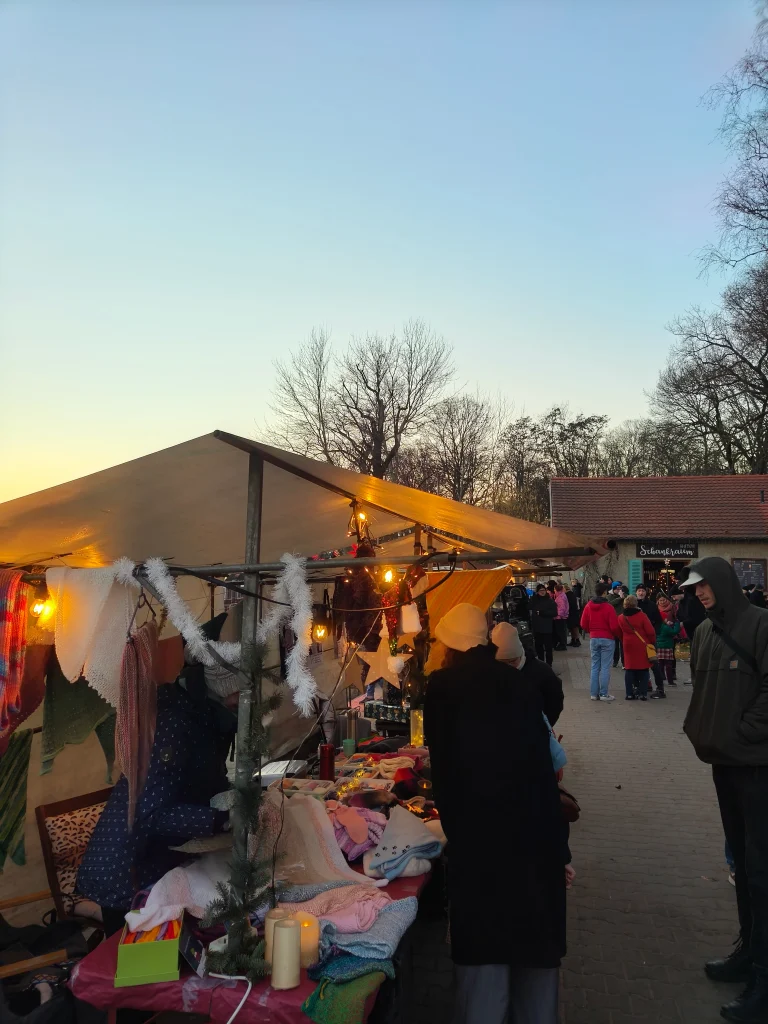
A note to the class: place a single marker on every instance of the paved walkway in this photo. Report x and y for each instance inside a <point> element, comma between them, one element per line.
<point>651,900</point>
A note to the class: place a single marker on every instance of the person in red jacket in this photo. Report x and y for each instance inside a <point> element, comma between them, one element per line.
<point>601,622</point>
<point>636,633</point>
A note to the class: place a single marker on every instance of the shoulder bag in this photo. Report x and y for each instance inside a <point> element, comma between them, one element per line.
<point>650,649</point>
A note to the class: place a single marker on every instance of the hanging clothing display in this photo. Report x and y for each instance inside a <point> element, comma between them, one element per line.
<point>14,769</point>
<point>94,608</point>
<point>32,689</point>
<point>137,712</point>
<point>71,712</point>
<point>13,642</point>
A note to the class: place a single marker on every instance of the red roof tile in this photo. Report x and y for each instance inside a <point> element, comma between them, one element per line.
<point>630,508</point>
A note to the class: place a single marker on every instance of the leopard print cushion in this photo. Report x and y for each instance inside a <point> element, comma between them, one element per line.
<point>70,834</point>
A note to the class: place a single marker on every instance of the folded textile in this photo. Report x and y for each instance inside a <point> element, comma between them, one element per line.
<point>190,888</point>
<point>380,941</point>
<point>405,837</point>
<point>344,1003</point>
<point>32,689</point>
<point>389,766</point>
<point>14,769</point>
<point>356,828</point>
<point>346,967</point>
<point>353,908</point>
<point>298,894</point>
<point>13,642</point>
<point>94,608</point>
<point>308,848</point>
<point>415,866</point>
<point>71,712</point>
<point>136,711</point>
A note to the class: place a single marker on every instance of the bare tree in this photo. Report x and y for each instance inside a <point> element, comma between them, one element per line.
<point>302,400</point>
<point>357,409</point>
<point>716,378</point>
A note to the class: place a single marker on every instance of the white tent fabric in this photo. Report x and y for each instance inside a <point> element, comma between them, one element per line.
<point>187,504</point>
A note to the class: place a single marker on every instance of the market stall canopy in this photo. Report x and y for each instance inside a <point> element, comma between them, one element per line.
<point>188,504</point>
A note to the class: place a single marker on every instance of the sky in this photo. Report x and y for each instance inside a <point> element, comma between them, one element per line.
<point>187,188</point>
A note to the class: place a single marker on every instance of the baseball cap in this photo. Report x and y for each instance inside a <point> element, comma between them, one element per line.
<point>693,577</point>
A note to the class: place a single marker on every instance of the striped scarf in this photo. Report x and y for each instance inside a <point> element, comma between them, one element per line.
<point>136,712</point>
<point>13,643</point>
<point>14,767</point>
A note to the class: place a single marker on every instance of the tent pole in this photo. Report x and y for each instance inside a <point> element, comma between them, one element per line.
<point>417,540</point>
<point>244,767</point>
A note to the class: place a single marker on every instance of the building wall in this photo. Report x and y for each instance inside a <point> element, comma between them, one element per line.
<point>616,562</point>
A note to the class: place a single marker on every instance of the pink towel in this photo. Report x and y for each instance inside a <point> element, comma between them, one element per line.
<point>355,907</point>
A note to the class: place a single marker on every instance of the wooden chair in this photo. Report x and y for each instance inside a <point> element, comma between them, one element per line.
<point>65,830</point>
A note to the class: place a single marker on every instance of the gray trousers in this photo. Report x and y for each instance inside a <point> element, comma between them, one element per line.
<point>497,994</point>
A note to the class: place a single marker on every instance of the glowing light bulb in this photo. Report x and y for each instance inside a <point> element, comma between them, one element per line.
<point>319,632</point>
<point>388,576</point>
<point>361,516</point>
<point>37,608</point>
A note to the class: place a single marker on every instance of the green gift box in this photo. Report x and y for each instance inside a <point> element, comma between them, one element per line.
<point>146,963</point>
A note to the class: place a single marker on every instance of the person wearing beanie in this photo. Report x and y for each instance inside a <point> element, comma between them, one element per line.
<point>543,615</point>
<point>509,648</point>
<point>491,762</point>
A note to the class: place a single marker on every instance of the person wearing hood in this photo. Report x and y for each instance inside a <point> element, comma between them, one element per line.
<point>543,615</point>
<point>637,633</point>
<point>727,723</point>
<point>601,622</point>
<point>507,947</point>
<point>550,686</point>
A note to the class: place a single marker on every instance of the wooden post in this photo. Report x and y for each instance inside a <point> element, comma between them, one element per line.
<point>244,767</point>
<point>417,540</point>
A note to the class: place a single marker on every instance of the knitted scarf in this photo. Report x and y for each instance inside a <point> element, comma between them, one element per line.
<point>13,642</point>
<point>14,768</point>
<point>344,1003</point>
<point>136,712</point>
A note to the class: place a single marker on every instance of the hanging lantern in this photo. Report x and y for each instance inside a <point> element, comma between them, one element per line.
<point>322,621</point>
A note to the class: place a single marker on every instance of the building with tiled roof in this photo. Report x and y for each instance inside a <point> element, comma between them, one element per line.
<point>659,524</point>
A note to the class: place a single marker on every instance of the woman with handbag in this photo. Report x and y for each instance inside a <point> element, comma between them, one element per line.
<point>639,639</point>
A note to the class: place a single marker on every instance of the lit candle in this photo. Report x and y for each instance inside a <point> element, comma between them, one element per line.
<point>310,937</point>
<point>286,955</point>
<point>273,916</point>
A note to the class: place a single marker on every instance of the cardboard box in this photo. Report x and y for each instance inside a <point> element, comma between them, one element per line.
<point>147,963</point>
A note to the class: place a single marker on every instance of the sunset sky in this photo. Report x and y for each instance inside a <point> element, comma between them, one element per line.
<point>186,189</point>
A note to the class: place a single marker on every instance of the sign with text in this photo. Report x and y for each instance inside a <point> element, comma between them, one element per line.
<point>667,549</point>
<point>750,570</point>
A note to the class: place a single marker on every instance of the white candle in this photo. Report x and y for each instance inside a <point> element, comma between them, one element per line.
<point>286,955</point>
<point>273,916</point>
<point>310,937</point>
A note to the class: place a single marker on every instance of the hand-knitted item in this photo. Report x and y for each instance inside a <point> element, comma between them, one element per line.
<point>136,712</point>
<point>346,967</point>
<point>356,828</point>
<point>94,608</point>
<point>308,845</point>
<point>71,712</point>
<point>14,769</point>
<point>415,866</point>
<point>32,689</point>
<point>380,941</point>
<point>296,894</point>
<point>353,908</point>
<point>390,766</point>
<point>190,888</point>
<point>405,837</point>
<point>13,642</point>
<point>331,1003</point>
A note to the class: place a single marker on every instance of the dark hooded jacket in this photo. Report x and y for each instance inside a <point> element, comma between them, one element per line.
<point>727,720</point>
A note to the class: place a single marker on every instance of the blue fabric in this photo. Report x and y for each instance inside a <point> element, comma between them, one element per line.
<point>187,768</point>
<point>379,942</point>
<point>601,653</point>
<point>347,967</point>
<point>559,759</point>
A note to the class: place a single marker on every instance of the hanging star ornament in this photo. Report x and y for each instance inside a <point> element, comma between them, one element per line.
<point>384,665</point>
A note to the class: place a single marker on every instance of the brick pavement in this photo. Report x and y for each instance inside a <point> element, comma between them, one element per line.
<point>651,900</point>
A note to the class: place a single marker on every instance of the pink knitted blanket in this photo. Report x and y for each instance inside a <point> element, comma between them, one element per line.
<point>353,908</point>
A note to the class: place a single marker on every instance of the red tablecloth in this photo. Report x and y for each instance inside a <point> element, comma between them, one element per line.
<point>93,982</point>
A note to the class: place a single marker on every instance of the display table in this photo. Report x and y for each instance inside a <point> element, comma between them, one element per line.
<point>93,982</point>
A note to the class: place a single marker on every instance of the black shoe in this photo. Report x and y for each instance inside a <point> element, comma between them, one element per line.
<point>659,695</point>
<point>752,1005</point>
<point>630,698</point>
<point>643,698</point>
<point>560,647</point>
<point>671,683</point>
<point>737,966</point>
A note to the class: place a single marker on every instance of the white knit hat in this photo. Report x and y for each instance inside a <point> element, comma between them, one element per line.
<point>506,638</point>
<point>464,626</point>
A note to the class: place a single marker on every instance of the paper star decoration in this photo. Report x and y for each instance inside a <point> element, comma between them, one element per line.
<point>378,662</point>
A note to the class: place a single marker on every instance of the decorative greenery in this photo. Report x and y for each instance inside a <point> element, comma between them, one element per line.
<point>250,884</point>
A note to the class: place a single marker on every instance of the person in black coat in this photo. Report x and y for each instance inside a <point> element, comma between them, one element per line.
<point>574,617</point>
<point>543,615</point>
<point>546,681</point>
<point>499,804</point>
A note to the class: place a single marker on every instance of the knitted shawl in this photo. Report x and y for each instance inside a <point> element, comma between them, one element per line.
<point>13,643</point>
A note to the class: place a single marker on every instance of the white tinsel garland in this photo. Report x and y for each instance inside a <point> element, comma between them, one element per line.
<point>293,590</point>
<point>183,619</point>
